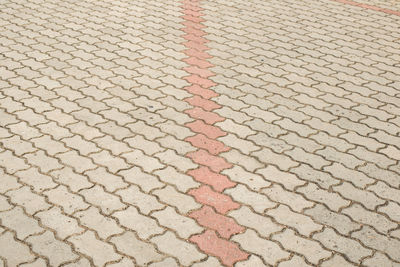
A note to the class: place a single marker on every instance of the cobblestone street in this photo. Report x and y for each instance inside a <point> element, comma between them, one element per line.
<point>200,133</point>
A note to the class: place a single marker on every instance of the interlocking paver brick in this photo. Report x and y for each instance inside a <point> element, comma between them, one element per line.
<point>351,248</point>
<point>312,250</point>
<point>32,202</point>
<point>365,217</point>
<point>143,225</point>
<point>110,181</point>
<point>142,252</point>
<point>236,157</point>
<point>302,223</point>
<point>51,146</point>
<point>171,158</point>
<point>185,253</point>
<point>221,202</point>
<point>16,252</point>
<point>93,219</point>
<point>182,182</point>
<point>182,202</point>
<point>378,259</point>
<point>37,180</point>
<point>68,201</point>
<point>185,227</point>
<point>99,251</point>
<point>268,250</point>
<point>380,174</point>
<point>97,196</point>
<point>107,142</point>
<point>341,172</point>
<point>256,201</point>
<point>21,223</point>
<point>138,158</point>
<point>368,199</point>
<point>252,180</point>
<point>68,177</point>
<point>330,199</point>
<point>377,241</point>
<point>277,145</point>
<point>145,181</point>
<point>268,156</point>
<point>11,163</point>
<point>58,252</point>
<point>65,226</point>
<point>262,224</point>
<point>385,191</point>
<point>17,145</point>
<point>278,194</point>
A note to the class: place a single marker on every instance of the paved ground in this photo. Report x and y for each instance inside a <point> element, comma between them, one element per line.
<point>200,133</point>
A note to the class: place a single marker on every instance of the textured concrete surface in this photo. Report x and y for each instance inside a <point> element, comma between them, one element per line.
<point>200,133</point>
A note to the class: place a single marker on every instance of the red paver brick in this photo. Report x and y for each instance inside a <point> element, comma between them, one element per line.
<point>191,6</point>
<point>193,18</point>
<point>196,53</point>
<point>208,117</point>
<point>194,38</point>
<point>208,130</point>
<point>192,12</point>
<point>225,226</point>
<point>191,24</point>
<point>204,73</point>
<point>197,90</point>
<point>193,31</point>
<point>222,203</point>
<point>203,103</point>
<point>195,79</point>
<point>214,147</point>
<point>215,163</point>
<point>219,182</point>
<point>196,45</point>
<point>228,252</point>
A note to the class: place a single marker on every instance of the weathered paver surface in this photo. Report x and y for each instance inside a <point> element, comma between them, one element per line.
<point>200,133</point>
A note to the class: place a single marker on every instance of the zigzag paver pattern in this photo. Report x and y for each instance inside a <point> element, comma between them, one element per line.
<point>199,133</point>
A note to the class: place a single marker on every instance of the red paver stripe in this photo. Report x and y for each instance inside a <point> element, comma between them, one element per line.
<point>210,164</point>
<point>227,251</point>
<point>371,7</point>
